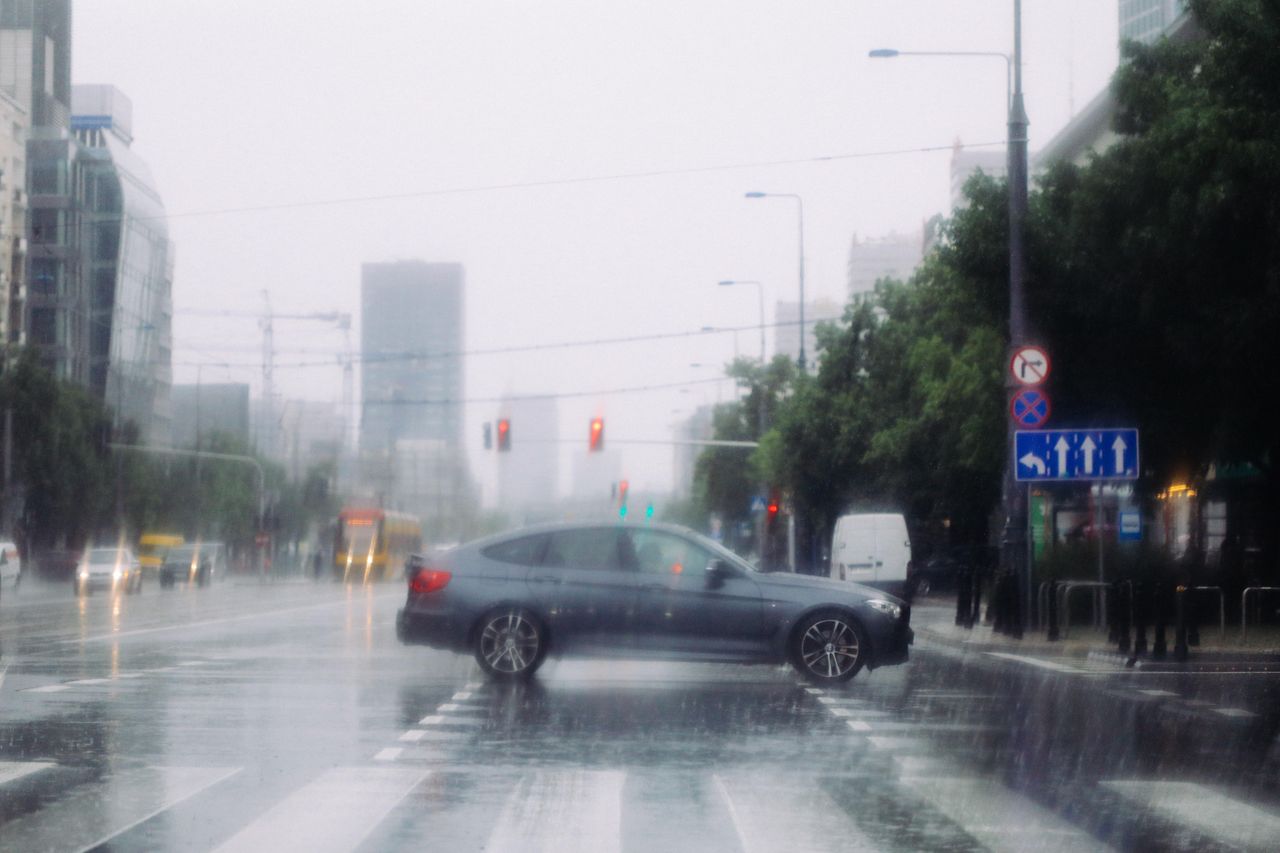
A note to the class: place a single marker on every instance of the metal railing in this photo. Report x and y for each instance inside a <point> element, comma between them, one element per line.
<point>1064,598</point>
<point>1244,601</point>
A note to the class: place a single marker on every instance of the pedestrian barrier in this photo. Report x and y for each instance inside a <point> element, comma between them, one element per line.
<point>1244,600</point>
<point>1222,606</point>
<point>1064,598</point>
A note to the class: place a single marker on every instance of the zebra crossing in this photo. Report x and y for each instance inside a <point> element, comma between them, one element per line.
<point>425,789</point>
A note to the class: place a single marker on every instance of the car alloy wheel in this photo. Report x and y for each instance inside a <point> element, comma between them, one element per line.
<point>510,643</point>
<point>829,648</point>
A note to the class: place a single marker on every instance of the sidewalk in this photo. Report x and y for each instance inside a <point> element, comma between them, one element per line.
<point>934,618</point>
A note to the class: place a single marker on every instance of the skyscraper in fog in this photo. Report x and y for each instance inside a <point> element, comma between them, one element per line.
<point>1147,20</point>
<point>411,334</point>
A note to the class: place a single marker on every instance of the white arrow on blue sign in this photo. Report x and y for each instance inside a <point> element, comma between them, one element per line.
<point>1067,454</point>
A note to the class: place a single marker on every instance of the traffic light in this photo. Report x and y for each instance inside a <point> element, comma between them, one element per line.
<point>488,436</point>
<point>648,511</point>
<point>623,485</point>
<point>595,441</point>
<point>504,435</point>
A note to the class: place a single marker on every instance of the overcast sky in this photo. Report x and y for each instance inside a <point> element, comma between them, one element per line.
<point>291,104</point>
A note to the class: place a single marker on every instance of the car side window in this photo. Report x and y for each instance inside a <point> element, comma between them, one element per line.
<point>658,552</point>
<point>583,549</point>
<point>525,551</point>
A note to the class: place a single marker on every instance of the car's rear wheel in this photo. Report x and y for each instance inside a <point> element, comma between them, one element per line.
<point>829,648</point>
<point>510,643</point>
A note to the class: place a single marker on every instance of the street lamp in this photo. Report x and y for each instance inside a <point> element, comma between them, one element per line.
<point>760,292</point>
<point>1014,559</point>
<point>800,213</point>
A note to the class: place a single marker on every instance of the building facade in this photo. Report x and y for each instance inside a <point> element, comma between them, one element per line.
<point>787,336</point>
<point>14,122</point>
<point>411,365</point>
<point>966,163</point>
<point>1147,20</point>
<point>128,266</point>
<point>529,473</point>
<point>893,256</point>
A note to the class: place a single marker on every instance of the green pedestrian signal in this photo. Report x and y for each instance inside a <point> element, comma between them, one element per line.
<point>622,511</point>
<point>648,511</point>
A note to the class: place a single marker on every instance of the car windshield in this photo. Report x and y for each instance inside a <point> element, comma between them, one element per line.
<point>718,425</point>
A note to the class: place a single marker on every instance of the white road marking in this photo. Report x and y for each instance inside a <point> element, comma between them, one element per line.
<point>132,675</point>
<point>1222,818</point>
<point>561,811</point>
<point>892,742</point>
<point>1037,662</point>
<point>473,685</point>
<point>332,814</point>
<point>825,700</point>
<point>48,688</point>
<point>768,817</point>
<point>999,818</point>
<point>1158,692</point>
<point>187,626</point>
<point>449,706</point>
<point>431,720</point>
<point>813,691</point>
<point>412,736</point>
<point>95,814</point>
<point>859,725</point>
<point>89,681</point>
<point>840,712</point>
<point>193,663</point>
<point>391,753</point>
<point>11,770</point>
<point>462,696</point>
<point>1234,712</point>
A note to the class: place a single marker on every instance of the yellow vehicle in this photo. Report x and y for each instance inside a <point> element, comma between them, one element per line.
<point>372,544</point>
<point>151,550</point>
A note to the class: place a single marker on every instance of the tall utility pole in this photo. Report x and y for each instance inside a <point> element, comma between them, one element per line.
<point>1013,555</point>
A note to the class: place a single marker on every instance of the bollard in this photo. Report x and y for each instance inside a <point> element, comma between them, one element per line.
<point>1111,611</point>
<point>1180,626</point>
<point>1015,609</point>
<point>998,603</point>
<point>976,613</point>
<point>964,584</point>
<point>1140,610</point>
<point>1159,648</point>
<point>1053,634</point>
<point>1123,597</point>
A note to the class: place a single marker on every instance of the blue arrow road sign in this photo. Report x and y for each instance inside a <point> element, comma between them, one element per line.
<point>1070,454</point>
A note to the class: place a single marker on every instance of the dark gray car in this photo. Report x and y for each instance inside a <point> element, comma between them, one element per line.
<point>642,590</point>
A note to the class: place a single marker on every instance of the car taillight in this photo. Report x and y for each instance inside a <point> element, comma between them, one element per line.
<point>429,580</point>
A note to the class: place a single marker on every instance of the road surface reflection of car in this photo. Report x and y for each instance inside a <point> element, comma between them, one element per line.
<point>653,591</point>
<point>108,568</point>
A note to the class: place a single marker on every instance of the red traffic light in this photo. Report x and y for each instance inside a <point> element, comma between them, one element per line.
<point>622,491</point>
<point>595,441</point>
<point>504,435</point>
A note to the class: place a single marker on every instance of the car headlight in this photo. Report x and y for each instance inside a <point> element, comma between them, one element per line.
<point>84,574</point>
<point>888,608</point>
<point>116,574</point>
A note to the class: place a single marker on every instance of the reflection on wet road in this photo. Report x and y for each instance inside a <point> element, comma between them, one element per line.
<point>248,717</point>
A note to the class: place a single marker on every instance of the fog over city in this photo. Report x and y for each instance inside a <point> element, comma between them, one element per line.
<point>585,162</point>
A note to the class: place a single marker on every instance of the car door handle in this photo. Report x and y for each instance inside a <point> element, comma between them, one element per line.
<point>546,579</point>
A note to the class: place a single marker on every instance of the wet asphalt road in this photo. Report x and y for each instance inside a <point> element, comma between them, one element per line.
<point>287,717</point>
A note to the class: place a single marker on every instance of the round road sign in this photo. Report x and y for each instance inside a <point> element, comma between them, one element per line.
<point>1029,408</point>
<point>1029,365</point>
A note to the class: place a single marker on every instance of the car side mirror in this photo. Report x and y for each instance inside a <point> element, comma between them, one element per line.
<point>717,570</point>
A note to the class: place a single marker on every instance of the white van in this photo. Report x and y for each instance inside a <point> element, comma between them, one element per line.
<point>872,549</point>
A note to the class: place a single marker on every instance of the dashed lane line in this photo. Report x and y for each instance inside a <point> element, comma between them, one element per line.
<point>1234,712</point>
<point>412,736</point>
<point>1225,819</point>
<point>11,770</point>
<point>391,753</point>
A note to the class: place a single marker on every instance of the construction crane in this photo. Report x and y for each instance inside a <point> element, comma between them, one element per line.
<point>266,323</point>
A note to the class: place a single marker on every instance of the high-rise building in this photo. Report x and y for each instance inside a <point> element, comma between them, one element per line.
<point>965,163</point>
<point>696,427</point>
<point>1147,20</point>
<point>787,337</point>
<point>35,73</point>
<point>892,256</point>
<point>128,266</point>
<point>14,122</point>
<point>411,333</point>
<point>529,473</point>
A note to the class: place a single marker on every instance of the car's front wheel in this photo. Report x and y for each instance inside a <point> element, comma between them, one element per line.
<point>510,643</point>
<point>829,648</point>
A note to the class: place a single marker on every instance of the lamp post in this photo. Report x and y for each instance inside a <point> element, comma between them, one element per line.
<point>800,213</point>
<point>1014,558</point>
